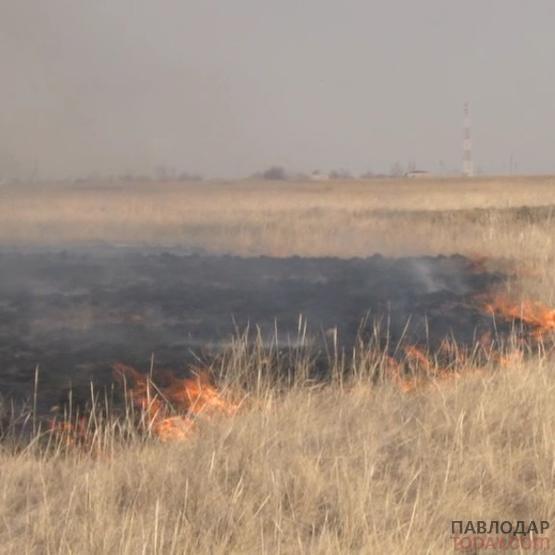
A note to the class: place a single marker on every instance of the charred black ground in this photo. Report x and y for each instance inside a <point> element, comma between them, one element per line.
<point>75,314</point>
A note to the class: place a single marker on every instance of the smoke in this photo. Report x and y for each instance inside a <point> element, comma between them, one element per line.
<point>230,88</point>
<point>83,93</point>
<point>429,275</point>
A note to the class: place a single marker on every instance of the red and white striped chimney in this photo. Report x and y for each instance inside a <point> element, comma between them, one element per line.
<point>468,166</point>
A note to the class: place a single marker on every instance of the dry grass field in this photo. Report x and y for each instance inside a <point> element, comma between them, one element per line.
<point>353,465</point>
<point>350,469</point>
<point>493,217</point>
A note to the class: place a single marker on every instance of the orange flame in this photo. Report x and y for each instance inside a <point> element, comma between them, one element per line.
<point>189,397</point>
<point>510,358</point>
<point>417,358</point>
<point>419,366</point>
<point>74,433</point>
<point>537,316</point>
<point>420,371</point>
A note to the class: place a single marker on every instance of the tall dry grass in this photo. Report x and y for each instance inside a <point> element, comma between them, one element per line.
<point>346,467</point>
<point>345,219</point>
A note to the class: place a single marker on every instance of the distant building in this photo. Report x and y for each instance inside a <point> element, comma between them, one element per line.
<point>416,174</point>
<point>317,176</point>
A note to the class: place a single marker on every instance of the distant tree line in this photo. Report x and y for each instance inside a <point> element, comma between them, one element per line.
<point>279,173</point>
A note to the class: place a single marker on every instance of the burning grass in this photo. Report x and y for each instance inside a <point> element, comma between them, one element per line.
<point>537,317</point>
<point>252,453</point>
<point>342,467</point>
<point>169,411</point>
<point>167,407</point>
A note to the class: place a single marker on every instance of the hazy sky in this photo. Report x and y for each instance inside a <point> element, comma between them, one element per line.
<point>228,87</point>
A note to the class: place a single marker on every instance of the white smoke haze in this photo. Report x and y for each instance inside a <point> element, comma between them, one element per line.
<point>226,89</point>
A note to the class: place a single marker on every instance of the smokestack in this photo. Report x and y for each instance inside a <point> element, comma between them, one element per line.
<point>468,165</point>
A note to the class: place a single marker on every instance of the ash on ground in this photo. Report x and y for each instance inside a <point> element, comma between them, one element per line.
<point>76,313</point>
